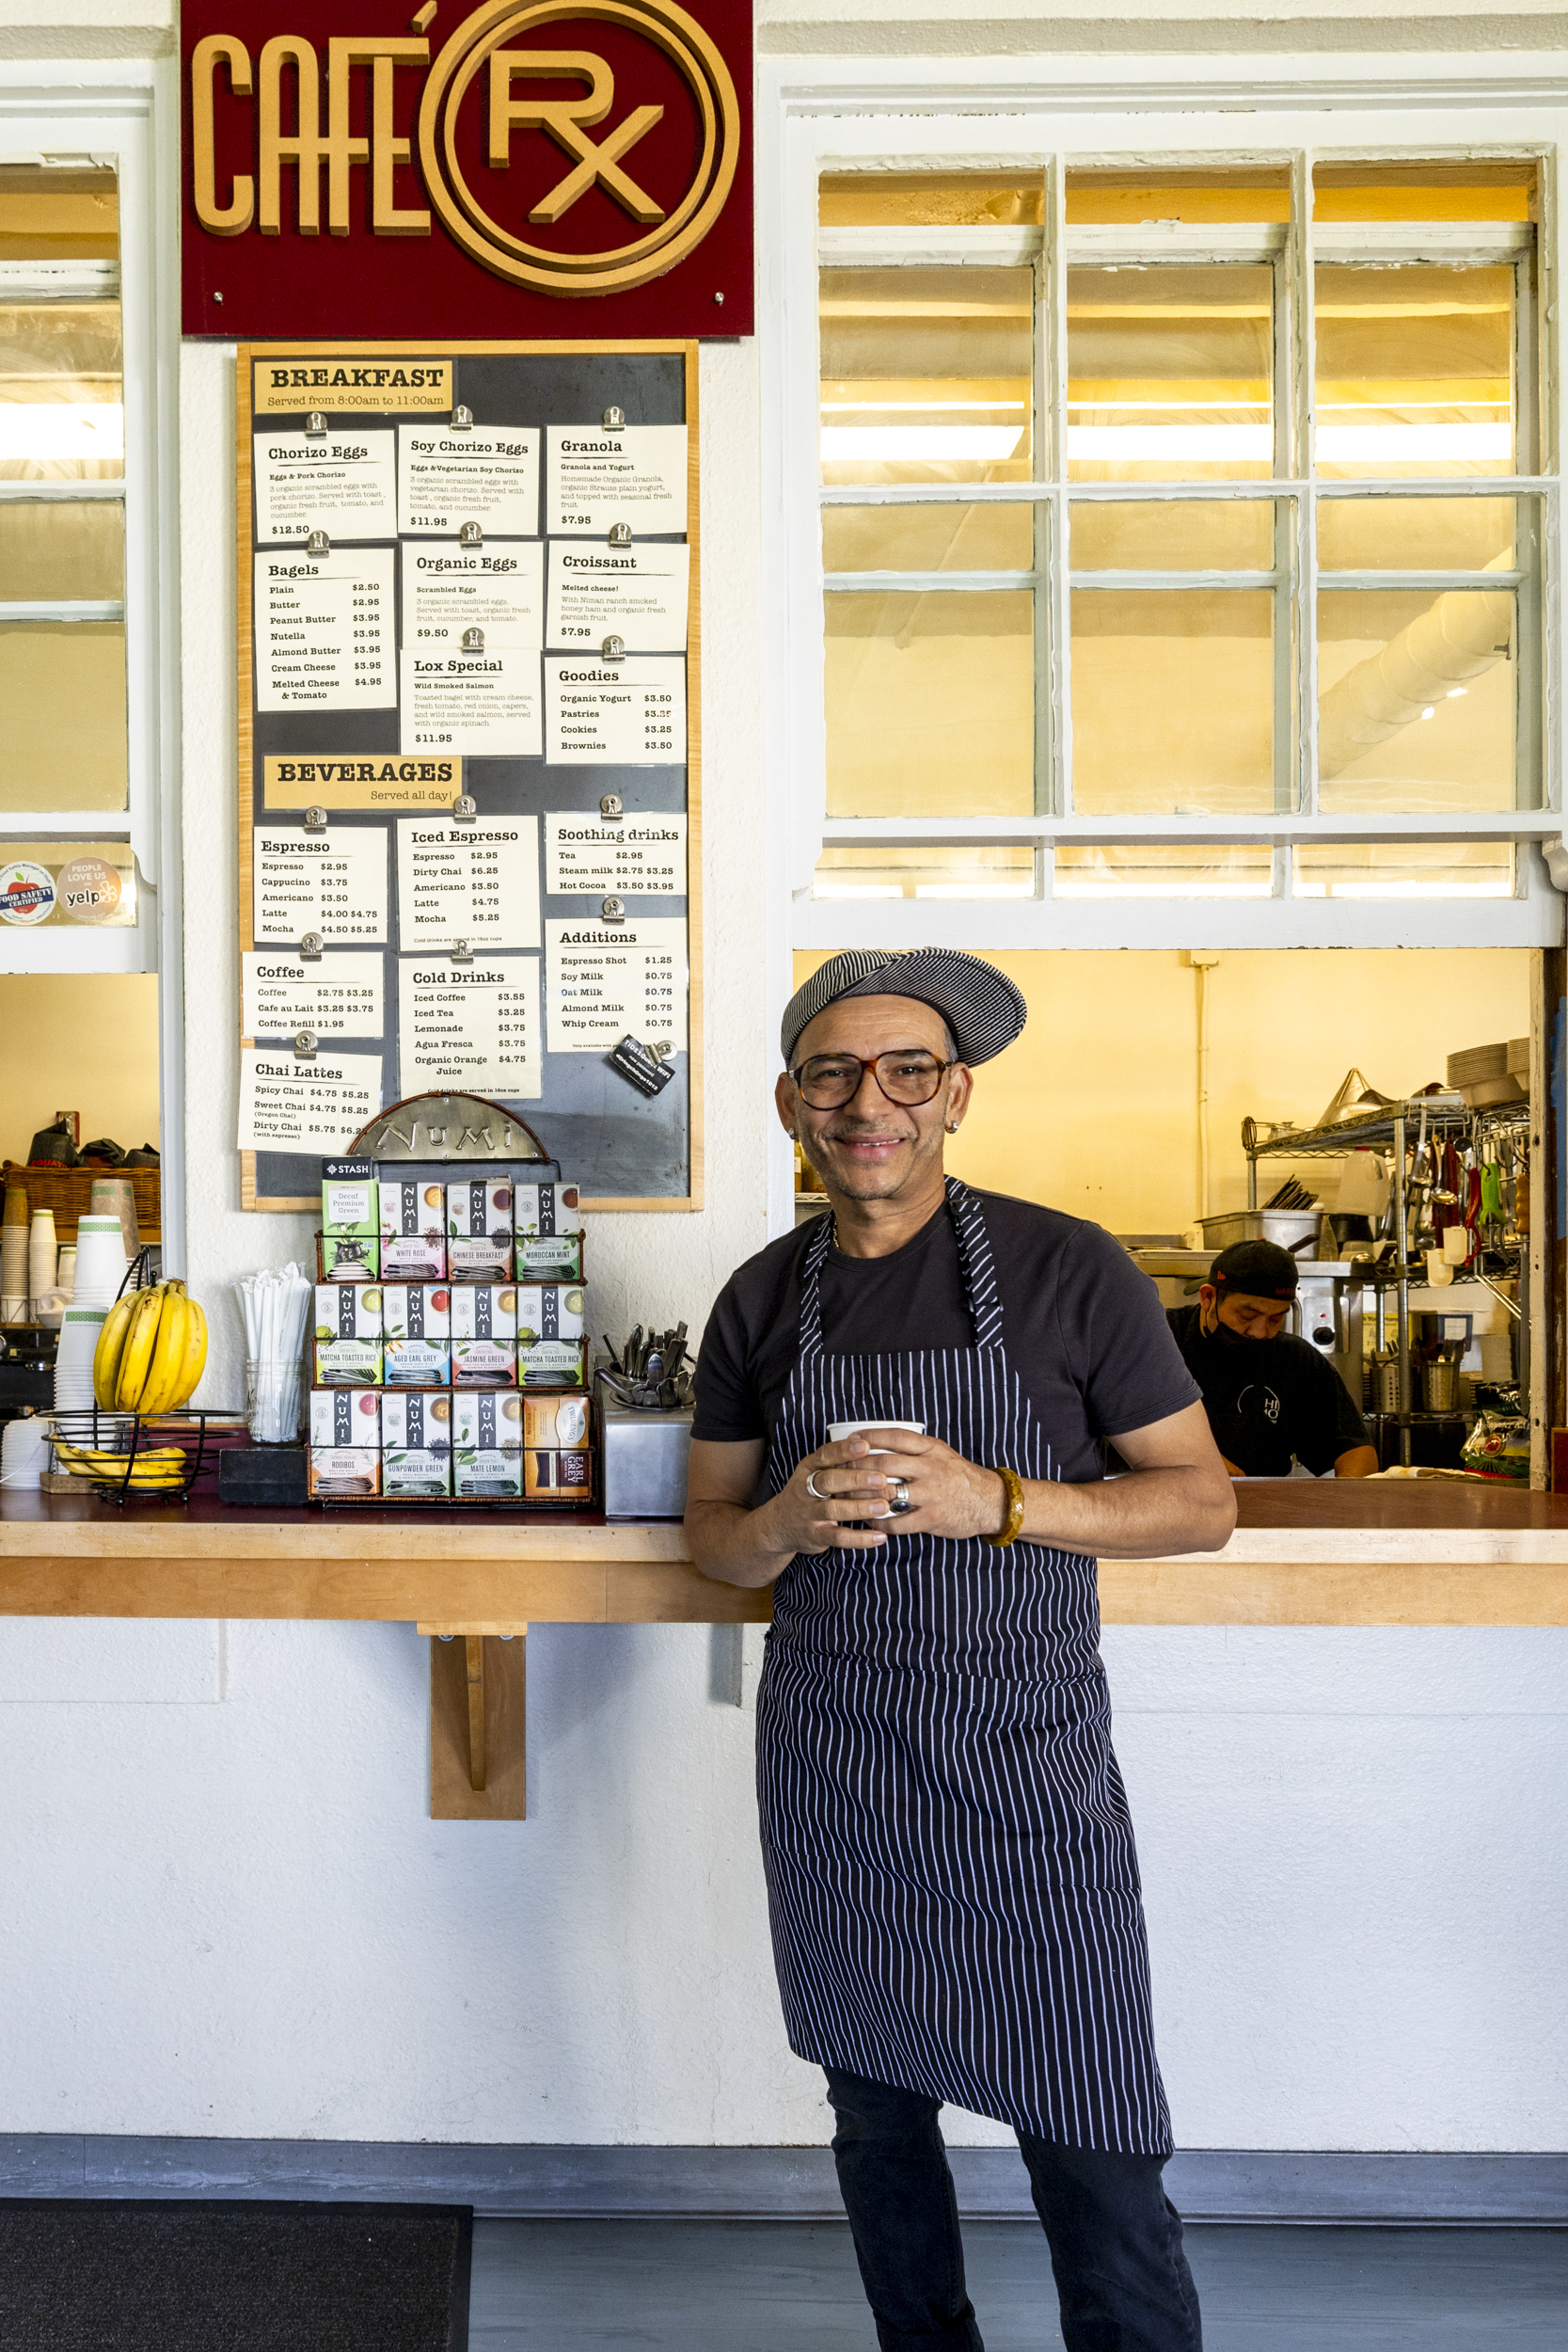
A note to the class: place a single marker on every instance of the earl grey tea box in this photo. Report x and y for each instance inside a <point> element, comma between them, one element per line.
<point>417,1320</point>
<point>349,1202</point>
<point>347,1334</point>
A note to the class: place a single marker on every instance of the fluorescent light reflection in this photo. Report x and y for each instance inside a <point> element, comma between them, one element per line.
<point>901,444</point>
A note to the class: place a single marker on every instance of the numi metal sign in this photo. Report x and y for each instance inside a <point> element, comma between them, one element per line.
<point>568,167</point>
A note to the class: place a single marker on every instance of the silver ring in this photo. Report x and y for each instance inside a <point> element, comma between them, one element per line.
<point>898,1491</point>
<point>814,1490</point>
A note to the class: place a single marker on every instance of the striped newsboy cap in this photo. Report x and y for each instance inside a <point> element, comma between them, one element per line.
<point>979,1004</point>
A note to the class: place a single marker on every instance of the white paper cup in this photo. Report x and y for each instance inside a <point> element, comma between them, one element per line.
<point>839,1430</point>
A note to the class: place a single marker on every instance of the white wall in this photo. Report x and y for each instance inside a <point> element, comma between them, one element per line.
<point>226,1911</point>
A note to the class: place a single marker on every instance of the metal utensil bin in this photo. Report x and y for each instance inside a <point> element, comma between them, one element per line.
<point>645,1458</point>
<point>1284,1226</point>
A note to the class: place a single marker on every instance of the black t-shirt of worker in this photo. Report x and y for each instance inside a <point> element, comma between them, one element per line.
<point>1082,1326</point>
<point>1268,1400</point>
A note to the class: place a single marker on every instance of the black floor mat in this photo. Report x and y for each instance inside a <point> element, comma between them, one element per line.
<point>93,2275</point>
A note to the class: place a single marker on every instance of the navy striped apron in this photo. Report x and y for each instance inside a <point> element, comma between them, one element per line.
<point>952,1882</point>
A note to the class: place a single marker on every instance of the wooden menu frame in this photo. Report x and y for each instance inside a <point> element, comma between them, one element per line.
<point>430,347</point>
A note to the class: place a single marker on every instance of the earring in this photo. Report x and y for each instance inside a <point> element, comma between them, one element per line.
<point>952,1127</point>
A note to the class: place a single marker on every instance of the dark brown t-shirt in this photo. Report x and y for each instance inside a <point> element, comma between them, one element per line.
<point>1083,1327</point>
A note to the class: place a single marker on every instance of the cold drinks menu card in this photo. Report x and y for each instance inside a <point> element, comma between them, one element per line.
<point>464,717</point>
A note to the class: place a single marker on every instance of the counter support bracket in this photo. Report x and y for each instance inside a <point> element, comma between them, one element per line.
<point>478,1720</point>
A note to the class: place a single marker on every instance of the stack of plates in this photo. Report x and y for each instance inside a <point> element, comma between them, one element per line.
<point>1485,1074</point>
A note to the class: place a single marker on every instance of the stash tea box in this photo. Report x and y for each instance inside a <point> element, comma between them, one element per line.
<point>487,1443</point>
<point>345,1416</point>
<point>349,1257</point>
<point>348,1335</point>
<point>349,1197</point>
<point>483,1334</point>
<point>416,1319</point>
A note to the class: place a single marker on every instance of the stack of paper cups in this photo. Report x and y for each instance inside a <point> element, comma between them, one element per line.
<point>24,1450</point>
<point>100,1262</point>
<point>116,1196</point>
<point>65,1280</point>
<point>44,1253</point>
<point>74,1363</point>
<point>13,1257</point>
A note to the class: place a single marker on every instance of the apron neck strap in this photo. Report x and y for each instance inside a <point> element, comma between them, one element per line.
<point>975,1264</point>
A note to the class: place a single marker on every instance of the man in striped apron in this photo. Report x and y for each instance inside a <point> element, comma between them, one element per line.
<point>952,1882</point>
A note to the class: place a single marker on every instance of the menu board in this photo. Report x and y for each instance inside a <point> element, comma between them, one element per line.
<point>468,691</point>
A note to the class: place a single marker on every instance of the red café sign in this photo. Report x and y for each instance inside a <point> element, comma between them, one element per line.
<point>569,168</point>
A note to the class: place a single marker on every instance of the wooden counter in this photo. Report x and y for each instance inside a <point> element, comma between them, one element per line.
<point>1345,1553</point>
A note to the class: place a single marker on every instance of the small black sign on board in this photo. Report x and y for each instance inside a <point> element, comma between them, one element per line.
<point>647,1073</point>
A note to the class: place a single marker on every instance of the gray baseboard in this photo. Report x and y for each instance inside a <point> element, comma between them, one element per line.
<point>768,2183</point>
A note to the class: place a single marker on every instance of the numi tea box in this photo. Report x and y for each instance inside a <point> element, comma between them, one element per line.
<point>484,1335</point>
<point>416,1318</point>
<point>552,1338</point>
<point>349,1197</point>
<point>545,1209</point>
<point>416,1441</point>
<point>487,1443</point>
<point>340,1473</point>
<point>558,1452</point>
<point>548,1257</point>
<point>417,1419</point>
<point>479,1228</point>
<point>345,1416</point>
<point>348,1335</point>
<point>413,1229</point>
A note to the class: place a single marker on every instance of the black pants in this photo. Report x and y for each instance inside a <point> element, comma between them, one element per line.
<point>1115,2239</point>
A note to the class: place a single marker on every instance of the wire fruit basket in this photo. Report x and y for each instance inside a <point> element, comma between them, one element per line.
<point>135,1458</point>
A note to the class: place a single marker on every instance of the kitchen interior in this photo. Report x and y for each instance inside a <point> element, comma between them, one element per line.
<point>1325,1099</point>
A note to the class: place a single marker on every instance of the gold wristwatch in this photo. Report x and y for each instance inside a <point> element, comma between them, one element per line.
<point>1012,1523</point>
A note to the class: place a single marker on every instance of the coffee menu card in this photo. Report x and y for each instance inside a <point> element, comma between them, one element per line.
<point>481,616</point>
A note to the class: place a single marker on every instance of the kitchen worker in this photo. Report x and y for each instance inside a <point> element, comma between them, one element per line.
<point>952,1883</point>
<point>1269,1396</point>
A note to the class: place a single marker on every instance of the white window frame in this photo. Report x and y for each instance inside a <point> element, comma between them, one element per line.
<point>818,117</point>
<point>126,115</point>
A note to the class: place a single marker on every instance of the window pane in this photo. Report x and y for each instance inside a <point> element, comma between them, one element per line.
<point>61,412</point>
<point>1185,535</point>
<point>1170,374</point>
<point>50,215</point>
<point>1419,870</point>
<point>1155,199</point>
<point>1172,701</point>
<point>927,374</point>
<point>929,538</point>
<point>930,705</point>
<point>1416,699</point>
<point>929,200</point>
<point>1421,534</point>
<point>988,870</point>
<point>59,552</point>
<point>1234,870</point>
<point>62,715</point>
<point>1421,191</point>
<point>1414,371</point>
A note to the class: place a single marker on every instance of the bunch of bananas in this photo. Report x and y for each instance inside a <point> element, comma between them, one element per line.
<point>151,1351</point>
<point>160,1467</point>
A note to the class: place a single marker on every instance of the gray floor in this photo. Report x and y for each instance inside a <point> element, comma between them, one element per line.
<point>741,2286</point>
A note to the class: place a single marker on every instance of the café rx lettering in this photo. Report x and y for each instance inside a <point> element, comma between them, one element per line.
<point>535,154</point>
